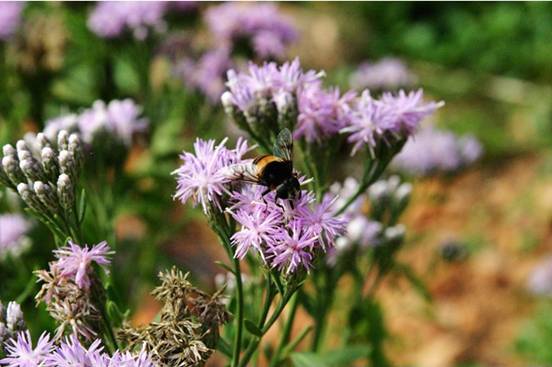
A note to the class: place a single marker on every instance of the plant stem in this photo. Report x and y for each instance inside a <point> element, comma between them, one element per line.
<point>284,339</point>
<point>239,318</point>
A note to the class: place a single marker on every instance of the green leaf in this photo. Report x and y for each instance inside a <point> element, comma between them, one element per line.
<point>338,358</point>
<point>224,347</point>
<point>252,328</point>
<point>82,206</point>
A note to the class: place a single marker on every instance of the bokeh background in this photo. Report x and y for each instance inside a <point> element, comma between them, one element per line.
<point>487,304</point>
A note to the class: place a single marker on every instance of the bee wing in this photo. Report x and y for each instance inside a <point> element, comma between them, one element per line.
<point>283,147</point>
<point>242,172</point>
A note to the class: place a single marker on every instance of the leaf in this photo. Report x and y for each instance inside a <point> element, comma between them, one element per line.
<point>82,206</point>
<point>337,358</point>
<point>252,328</point>
<point>224,347</point>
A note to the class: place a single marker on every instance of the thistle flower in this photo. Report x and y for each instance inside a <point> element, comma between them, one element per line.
<point>373,121</point>
<point>75,262</point>
<point>110,19</point>
<point>72,353</point>
<point>266,31</point>
<point>21,353</point>
<point>432,150</point>
<point>13,230</point>
<point>292,251</point>
<point>386,74</point>
<point>322,113</point>
<point>10,17</point>
<point>202,178</point>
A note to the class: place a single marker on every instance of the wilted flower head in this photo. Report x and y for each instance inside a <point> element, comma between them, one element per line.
<point>110,19</point>
<point>201,177</point>
<point>21,353</point>
<point>13,228</point>
<point>386,74</point>
<point>75,262</point>
<point>433,150</point>
<point>10,16</point>
<point>261,25</point>
<point>393,115</point>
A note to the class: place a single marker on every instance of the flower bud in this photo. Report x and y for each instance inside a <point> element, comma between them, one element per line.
<point>10,165</point>
<point>67,163</point>
<point>31,169</point>
<point>395,234</point>
<point>27,195</point>
<point>49,161</point>
<point>75,148</point>
<point>227,100</point>
<point>46,195</point>
<point>14,317</point>
<point>42,141</point>
<point>62,140</point>
<point>8,150</point>
<point>21,146</point>
<point>65,191</point>
<point>378,191</point>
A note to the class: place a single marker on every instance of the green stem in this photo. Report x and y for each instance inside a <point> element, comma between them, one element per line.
<point>284,339</point>
<point>239,318</point>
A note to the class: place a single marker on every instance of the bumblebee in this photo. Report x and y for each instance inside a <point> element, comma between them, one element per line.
<point>273,171</point>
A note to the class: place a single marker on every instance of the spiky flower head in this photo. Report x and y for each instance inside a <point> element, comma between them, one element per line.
<point>21,353</point>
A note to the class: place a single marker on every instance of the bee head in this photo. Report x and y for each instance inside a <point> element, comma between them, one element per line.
<point>289,189</point>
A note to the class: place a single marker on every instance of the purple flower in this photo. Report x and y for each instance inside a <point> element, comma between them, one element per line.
<point>207,73</point>
<point>322,113</point>
<point>293,250</point>
<point>126,359</point>
<point>110,19</point>
<point>400,115</point>
<point>261,24</point>
<point>75,261</point>
<point>120,118</point>
<point>13,228</point>
<point>72,353</point>
<point>321,222</point>
<point>433,150</point>
<point>202,176</point>
<point>258,226</point>
<point>387,73</point>
<point>10,17</point>
<point>20,351</point>
<point>540,279</point>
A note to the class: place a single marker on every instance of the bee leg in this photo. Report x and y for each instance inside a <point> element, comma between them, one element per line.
<point>291,204</point>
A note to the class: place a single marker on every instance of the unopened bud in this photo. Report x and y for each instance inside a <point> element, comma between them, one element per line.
<point>395,234</point>
<point>14,317</point>
<point>49,162</point>
<point>31,169</point>
<point>42,141</point>
<point>21,145</point>
<point>46,195</point>
<point>378,191</point>
<point>403,192</point>
<point>75,147</point>
<point>10,165</point>
<point>26,194</point>
<point>227,99</point>
<point>8,150</point>
<point>62,140</point>
<point>65,191</point>
<point>67,163</point>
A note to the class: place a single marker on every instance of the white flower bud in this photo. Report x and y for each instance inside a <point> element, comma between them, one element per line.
<point>21,145</point>
<point>378,190</point>
<point>8,150</point>
<point>62,139</point>
<point>227,99</point>
<point>65,191</point>
<point>26,194</point>
<point>42,141</point>
<point>395,233</point>
<point>23,155</point>
<point>14,316</point>
<point>31,169</point>
<point>403,192</point>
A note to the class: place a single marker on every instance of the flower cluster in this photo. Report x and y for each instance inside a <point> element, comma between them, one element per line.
<point>434,150</point>
<point>71,290</point>
<point>45,177</point>
<point>261,26</point>
<point>206,73</point>
<point>70,352</point>
<point>118,118</point>
<point>201,177</point>
<point>287,237</point>
<point>188,327</point>
<point>11,321</point>
<point>13,230</point>
<point>110,19</point>
<point>269,97</point>
<point>393,115</point>
<point>386,198</point>
<point>10,17</point>
<point>386,74</point>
